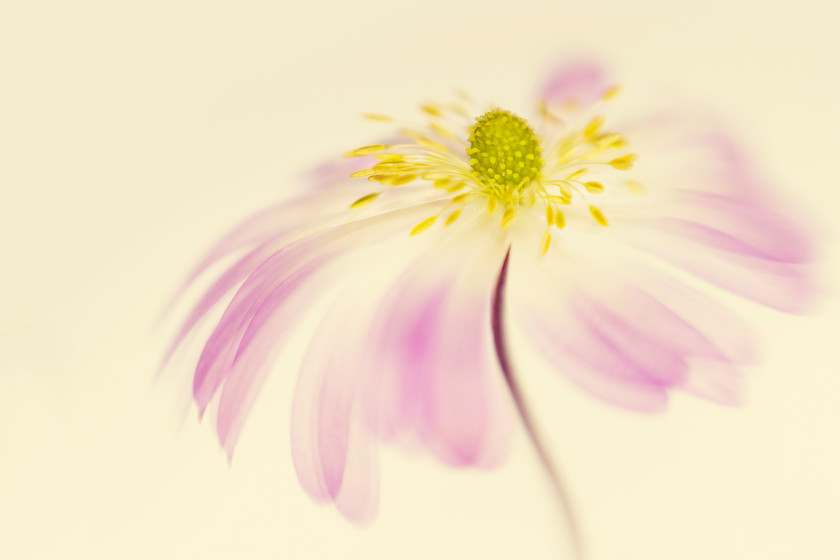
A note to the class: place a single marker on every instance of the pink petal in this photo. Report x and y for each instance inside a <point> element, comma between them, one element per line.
<point>607,331</point>
<point>436,378</point>
<point>775,276</point>
<point>306,454</point>
<point>358,499</point>
<point>718,382</point>
<point>738,225</point>
<point>256,348</point>
<point>270,231</point>
<point>623,348</point>
<point>580,364</point>
<point>271,223</point>
<point>295,218</point>
<point>335,173</point>
<point>332,451</point>
<point>221,287</point>
<point>275,279</point>
<point>337,397</point>
<point>269,304</point>
<point>710,214</point>
<point>577,83</point>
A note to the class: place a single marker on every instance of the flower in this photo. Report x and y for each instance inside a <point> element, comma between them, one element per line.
<point>586,230</point>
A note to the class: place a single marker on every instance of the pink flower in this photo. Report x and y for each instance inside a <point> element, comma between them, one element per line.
<point>586,230</point>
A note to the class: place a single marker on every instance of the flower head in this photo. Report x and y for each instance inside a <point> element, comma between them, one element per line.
<point>425,240</point>
<point>501,164</point>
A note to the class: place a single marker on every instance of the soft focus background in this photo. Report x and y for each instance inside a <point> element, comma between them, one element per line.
<point>133,134</point>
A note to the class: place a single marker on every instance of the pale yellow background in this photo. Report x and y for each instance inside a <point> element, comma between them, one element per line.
<point>133,134</point>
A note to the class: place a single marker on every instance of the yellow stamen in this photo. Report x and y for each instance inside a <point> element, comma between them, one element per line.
<point>507,217</point>
<point>611,141</point>
<point>612,92</point>
<point>390,166</point>
<point>401,180</point>
<point>364,200</point>
<point>444,183</point>
<point>599,216</point>
<point>377,117</point>
<point>565,191</point>
<point>545,243</point>
<point>624,162</point>
<point>390,157</point>
<point>424,225</point>
<point>452,217</point>
<point>636,187</point>
<point>366,150</point>
<point>594,126</point>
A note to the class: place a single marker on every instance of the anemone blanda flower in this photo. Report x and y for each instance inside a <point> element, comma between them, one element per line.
<point>584,228</point>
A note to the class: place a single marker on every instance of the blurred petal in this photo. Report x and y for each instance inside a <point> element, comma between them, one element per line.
<point>586,359</point>
<point>779,285</point>
<point>746,248</point>
<point>271,223</point>
<point>244,361</point>
<point>276,278</point>
<point>336,172</point>
<point>714,381</point>
<point>622,331</point>
<point>231,278</point>
<point>331,448</point>
<point>435,376</point>
<point>577,83</point>
<point>706,211</point>
<point>267,306</point>
<point>358,498</point>
<point>290,220</point>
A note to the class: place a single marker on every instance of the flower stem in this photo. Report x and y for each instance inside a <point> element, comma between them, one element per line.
<point>525,414</point>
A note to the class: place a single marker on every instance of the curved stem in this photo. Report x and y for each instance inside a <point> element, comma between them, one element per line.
<point>525,414</point>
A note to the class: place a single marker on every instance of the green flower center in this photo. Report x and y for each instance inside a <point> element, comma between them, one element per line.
<point>504,152</point>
